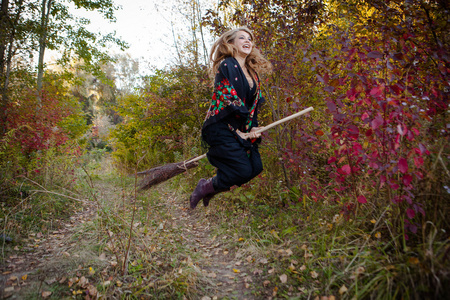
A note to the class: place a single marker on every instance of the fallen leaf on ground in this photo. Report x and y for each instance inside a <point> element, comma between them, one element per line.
<point>106,283</point>
<point>283,278</point>
<point>46,294</point>
<point>264,261</point>
<point>303,268</point>
<point>266,283</point>
<point>50,281</point>
<point>413,260</point>
<point>257,272</point>
<point>9,289</point>
<point>83,282</point>
<point>24,277</point>
<point>343,289</point>
<point>92,290</point>
<point>314,274</point>
<point>91,271</point>
<point>236,271</point>
<point>360,270</point>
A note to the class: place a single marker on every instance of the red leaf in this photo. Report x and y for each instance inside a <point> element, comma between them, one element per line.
<point>362,199</point>
<point>407,179</point>
<point>402,129</point>
<point>423,149</point>
<point>377,122</point>
<point>410,213</point>
<point>331,160</point>
<point>319,132</point>
<point>377,91</point>
<point>353,131</point>
<point>346,169</point>
<point>403,165</point>
<point>418,161</point>
<point>331,106</point>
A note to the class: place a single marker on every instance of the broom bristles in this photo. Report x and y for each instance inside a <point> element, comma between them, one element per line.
<point>163,173</point>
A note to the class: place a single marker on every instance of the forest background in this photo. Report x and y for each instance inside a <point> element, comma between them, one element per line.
<point>368,168</point>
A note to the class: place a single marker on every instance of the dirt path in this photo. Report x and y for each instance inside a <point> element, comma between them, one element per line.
<point>45,266</point>
<point>42,259</point>
<point>229,274</point>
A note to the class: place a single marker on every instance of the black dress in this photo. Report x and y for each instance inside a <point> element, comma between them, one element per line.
<point>234,106</point>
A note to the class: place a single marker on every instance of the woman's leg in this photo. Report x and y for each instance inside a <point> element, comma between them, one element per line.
<point>235,165</point>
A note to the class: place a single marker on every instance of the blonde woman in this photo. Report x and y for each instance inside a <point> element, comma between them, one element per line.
<point>232,118</point>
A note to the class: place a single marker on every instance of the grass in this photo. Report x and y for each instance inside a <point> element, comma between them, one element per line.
<point>142,245</point>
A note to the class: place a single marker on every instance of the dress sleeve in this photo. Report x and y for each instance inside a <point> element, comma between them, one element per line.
<point>225,99</point>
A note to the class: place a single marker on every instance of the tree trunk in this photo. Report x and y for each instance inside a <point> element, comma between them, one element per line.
<point>45,15</point>
<point>3,34</point>
<point>3,44</point>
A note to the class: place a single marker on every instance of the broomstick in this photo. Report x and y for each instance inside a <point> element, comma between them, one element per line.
<point>165,172</point>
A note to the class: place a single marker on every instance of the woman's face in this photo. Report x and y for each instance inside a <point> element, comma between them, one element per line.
<point>243,42</point>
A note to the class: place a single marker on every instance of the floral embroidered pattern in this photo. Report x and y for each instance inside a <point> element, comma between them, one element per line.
<point>224,95</point>
<point>230,94</point>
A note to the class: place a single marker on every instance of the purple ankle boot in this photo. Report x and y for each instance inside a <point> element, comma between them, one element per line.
<point>204,187</point>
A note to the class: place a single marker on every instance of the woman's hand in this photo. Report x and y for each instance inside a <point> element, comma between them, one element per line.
<point>249,135</point>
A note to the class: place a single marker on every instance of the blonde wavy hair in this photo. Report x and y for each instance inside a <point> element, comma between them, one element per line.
<point>224,48</point>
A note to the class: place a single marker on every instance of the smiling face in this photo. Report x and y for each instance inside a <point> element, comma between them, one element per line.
<point>243,43</point>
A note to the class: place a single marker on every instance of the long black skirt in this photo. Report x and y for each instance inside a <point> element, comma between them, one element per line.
<point>237,160</point>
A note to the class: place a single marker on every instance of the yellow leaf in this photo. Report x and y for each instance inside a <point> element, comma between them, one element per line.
<point>240,239</point>
<point>24,277</point>
<point>373,221</point>
<point>343,289</point>
<point>119,283</point>
<point>236,271</point>
<point>413,260</point>
<point>378,235</point>
<point>91,271</point>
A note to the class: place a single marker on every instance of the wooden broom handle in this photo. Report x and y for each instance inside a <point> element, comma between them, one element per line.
<point>262,129</point>
<point>284,120</point>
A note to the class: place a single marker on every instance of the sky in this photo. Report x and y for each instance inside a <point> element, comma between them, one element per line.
<point>146,25</point>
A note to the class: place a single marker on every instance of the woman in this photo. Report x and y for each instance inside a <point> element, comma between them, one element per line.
<point>232,119</point>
